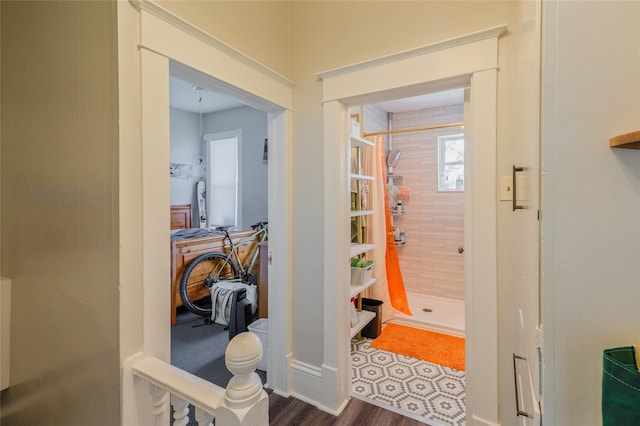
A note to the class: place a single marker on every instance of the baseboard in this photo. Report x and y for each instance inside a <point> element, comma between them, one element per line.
<point>482,422</point>
<point>319,387</point>
<point>306,382</point>
<point>339,392</point>
<point>279,377</point>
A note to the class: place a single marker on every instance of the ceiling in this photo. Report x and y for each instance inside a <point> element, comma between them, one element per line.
<point>189,97</point>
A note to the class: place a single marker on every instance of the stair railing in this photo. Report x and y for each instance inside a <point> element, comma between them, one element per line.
<point>243,402</point>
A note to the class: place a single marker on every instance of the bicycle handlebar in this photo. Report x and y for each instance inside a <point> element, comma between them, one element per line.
<point>261,224</point>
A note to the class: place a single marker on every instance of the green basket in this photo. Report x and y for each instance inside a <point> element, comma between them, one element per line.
<point>620,387</point>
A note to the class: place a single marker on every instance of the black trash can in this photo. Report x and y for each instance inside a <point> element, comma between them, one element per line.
<point>373,329</point>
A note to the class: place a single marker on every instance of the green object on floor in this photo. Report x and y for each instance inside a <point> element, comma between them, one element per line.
<point>620,387</point>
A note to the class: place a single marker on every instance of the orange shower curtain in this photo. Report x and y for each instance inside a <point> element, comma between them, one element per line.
<point>395,283</point>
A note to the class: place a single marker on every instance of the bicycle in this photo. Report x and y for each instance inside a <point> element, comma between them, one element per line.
<point>211,268</point>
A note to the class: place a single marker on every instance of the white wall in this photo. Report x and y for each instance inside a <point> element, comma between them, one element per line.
<point>253,123</point>
<point>375,119</point>
<point>591,200</point>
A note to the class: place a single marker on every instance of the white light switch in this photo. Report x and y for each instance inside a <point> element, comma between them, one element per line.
<point>506,188</point>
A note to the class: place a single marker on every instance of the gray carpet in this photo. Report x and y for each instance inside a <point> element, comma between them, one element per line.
<point>199,348</point>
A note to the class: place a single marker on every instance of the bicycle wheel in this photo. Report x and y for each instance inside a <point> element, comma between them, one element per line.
<point>198,278</point>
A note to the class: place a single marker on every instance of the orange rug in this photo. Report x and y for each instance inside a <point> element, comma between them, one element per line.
<point>426,345</point>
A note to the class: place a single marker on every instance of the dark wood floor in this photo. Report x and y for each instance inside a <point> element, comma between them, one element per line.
<point>291,411</point>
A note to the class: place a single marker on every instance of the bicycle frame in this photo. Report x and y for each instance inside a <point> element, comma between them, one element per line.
<point>244,270</point>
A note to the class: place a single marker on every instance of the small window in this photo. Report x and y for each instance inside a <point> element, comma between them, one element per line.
<point>451,163</point>
<point>223,189</point>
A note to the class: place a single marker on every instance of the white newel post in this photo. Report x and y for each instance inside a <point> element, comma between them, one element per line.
<point>245,401</point>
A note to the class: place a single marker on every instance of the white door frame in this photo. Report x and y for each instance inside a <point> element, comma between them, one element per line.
<point>467,61</point>
<point>171,46</point>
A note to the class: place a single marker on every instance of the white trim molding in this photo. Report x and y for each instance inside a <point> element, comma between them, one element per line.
<point>306,382</point>
<point>254,83</point>
<point>193,31</point>
<point>428,67</point>
<point>471,62</point>
<point>490,33</point>
<point>168,45</point>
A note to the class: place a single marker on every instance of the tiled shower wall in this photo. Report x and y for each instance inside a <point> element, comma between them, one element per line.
<point>433,221</point>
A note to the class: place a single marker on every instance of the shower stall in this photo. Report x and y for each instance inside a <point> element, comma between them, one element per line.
<point>425,168</point>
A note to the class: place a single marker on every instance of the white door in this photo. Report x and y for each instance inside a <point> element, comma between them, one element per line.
<point>519,267</point>
<point>519,272</point>
<point>518,237</point>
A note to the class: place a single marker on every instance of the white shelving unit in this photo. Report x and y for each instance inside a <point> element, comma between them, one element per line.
<point>358,142</point>
<point>357,249</point>
<point>357,289</point>
<point>361,247</point>
<point>361,213</point>
<point>364,318</point>
<point>361,177</point>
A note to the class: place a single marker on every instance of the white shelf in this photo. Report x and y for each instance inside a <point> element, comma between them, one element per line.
<point>355,213</point>
<point>365,318</point>
<point>361,177</point>
<point>357,249</point>
<point>355,289</point>
<point>359,142</point>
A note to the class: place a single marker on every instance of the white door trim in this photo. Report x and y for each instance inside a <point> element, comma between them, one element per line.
<point>467,61</point>
<point>169,45</point>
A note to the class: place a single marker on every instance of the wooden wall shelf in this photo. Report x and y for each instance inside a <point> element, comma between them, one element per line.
<point>628,140</point>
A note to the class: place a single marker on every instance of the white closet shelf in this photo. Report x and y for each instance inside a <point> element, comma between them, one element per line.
<point>357,249</point>
<point>356,213</point>
<point>364,318</point>
<point>361,177</point>
<point>355,289</point>
<point>359,142</point>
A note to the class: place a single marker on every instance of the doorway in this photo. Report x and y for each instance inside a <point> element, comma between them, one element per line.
<point>424,161</point>
<point>219,176</point>
<point>169,48</point>
<point>470,61</point>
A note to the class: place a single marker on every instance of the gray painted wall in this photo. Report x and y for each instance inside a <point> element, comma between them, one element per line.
<point>254,171</point>
<point>185,143</point>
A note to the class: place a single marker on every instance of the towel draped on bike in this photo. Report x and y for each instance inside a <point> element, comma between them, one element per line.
<point>221,299</point>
